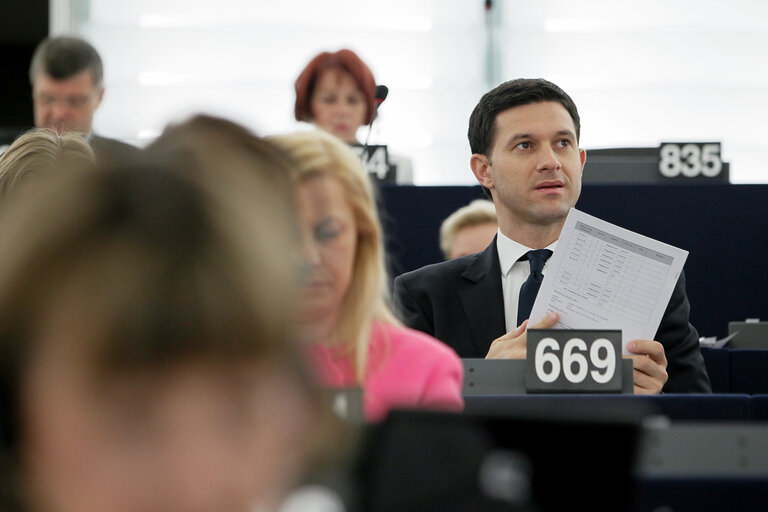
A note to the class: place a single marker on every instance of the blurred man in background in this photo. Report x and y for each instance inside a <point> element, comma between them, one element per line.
<point>469,229</point>
<point>67,77</point>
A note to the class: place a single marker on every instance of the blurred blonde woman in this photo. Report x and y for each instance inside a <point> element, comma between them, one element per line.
<point>352,335</point>
<point>42,152</point>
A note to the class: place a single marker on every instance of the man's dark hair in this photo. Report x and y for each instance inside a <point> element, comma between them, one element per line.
<point>64,57</point>
<point>514,93</point>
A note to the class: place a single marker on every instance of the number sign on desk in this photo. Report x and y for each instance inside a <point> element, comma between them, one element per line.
<point>375,160</point>
<point>691,160</point>
<point>573,361</point>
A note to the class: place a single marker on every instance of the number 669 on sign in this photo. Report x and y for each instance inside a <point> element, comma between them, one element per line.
<point>573,361</point>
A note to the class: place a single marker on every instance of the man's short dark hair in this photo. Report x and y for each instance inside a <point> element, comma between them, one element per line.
<point>514,93</point>
<point>63,57</point>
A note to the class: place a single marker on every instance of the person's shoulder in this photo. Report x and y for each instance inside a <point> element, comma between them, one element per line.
<point>99,139</point>
<point>404,168</point>
<point>441,270</point>
<point>106,147</point>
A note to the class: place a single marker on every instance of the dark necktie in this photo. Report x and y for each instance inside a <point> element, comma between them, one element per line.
<point>530,287</point>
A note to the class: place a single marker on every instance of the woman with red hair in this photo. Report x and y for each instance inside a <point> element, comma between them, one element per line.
<point>336,92</point>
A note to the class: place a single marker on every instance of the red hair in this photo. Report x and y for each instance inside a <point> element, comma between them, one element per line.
<point>342,60</point>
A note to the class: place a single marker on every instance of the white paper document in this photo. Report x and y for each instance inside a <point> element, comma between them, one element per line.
<point>602,276</point>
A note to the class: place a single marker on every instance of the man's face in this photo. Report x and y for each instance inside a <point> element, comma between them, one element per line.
<point>66,105</point>
<point>534,169</point>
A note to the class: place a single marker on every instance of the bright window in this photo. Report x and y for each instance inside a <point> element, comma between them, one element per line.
<point>641,73</point>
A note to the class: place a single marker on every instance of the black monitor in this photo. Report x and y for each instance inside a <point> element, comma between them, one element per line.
<point>529,460</point>
<point>20,32</point>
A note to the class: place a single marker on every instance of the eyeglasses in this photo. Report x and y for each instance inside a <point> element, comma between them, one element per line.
<point>49,100</point>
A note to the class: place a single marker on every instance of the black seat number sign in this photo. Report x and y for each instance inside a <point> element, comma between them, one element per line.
<point>573,361</point>
<point>375,161</point>
<point>690,160</point>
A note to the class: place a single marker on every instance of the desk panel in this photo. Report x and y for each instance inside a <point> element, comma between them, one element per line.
<point>676,407</point>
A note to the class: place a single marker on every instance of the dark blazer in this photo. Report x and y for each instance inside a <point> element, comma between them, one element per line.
<point>113,151</point>
<point>461,303</point>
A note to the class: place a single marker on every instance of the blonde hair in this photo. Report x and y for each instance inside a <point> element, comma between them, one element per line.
<point>40,152</point>
<point>317,153</point>
<point>479,211</point>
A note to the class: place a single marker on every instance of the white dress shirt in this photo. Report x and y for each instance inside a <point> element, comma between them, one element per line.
<point>514,273</point>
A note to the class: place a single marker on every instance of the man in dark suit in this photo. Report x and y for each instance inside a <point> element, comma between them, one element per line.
<point>67,87</point>
<point>524,138</point>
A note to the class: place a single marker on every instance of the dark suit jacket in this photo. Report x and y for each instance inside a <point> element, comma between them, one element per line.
<point>113,151</point>
<point>461,303</point>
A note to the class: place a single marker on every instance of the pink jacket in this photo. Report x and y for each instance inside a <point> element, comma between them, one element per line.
<point>405,369</point>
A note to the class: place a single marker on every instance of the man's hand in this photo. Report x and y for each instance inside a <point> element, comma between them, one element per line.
<point>513,344</point>
<point>650,366</point>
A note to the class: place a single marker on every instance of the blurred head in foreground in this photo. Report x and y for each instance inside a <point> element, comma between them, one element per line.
<point>42,152</point>
<point>145,333</point>
<point>469,229</point>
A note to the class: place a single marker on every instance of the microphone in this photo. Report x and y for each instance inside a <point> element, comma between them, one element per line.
<point>378,99</point>
<point>381,94</point>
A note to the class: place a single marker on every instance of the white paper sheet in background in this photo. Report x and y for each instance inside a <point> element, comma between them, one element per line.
<point>602,276</point>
